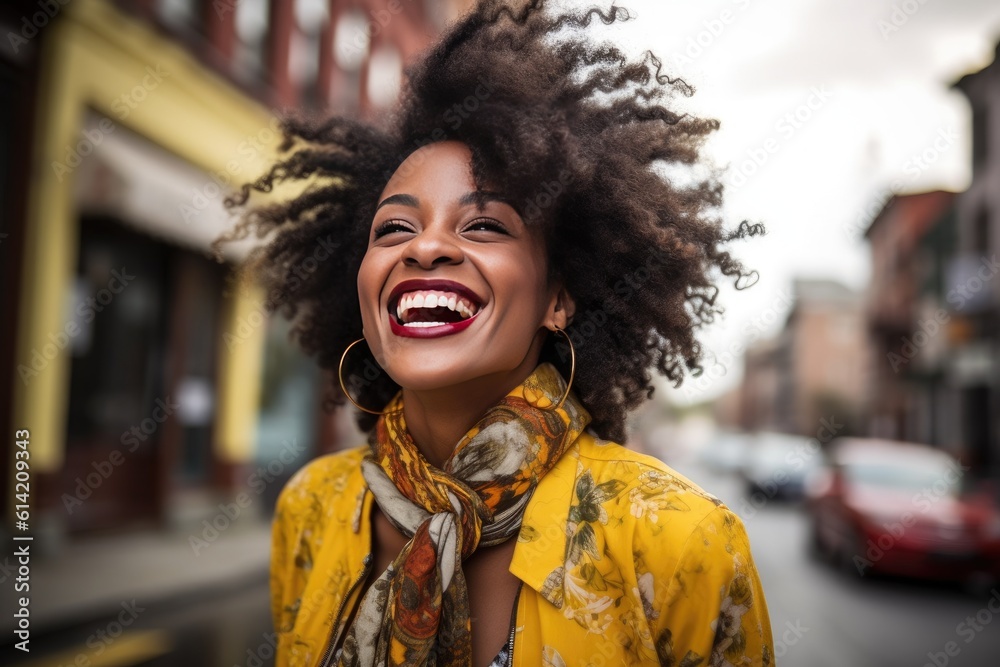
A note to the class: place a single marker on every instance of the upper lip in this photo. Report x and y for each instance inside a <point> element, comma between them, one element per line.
<point>438,284</point>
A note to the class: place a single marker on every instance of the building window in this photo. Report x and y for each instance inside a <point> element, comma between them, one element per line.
<point>303,65</point>
<point>345,93</point>
<point>183,16</point>
<point>252,20</point>
<point>385,75</point>
<point>351,40</point>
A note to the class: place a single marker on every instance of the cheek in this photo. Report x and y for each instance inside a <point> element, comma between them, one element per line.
<point>526,294</point>
<point>369,280</point>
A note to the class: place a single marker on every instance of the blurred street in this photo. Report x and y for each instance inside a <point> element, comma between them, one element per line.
<point>218,628</point>
<point>822,617</point>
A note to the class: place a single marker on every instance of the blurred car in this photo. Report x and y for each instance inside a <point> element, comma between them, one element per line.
<point>725,453</point>
<point>904,509</point>
<point>777,465</point>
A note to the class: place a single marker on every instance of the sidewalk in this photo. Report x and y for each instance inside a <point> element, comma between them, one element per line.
<point>97,575</point>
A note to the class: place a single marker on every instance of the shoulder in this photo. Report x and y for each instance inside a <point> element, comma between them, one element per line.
<point>652,487</point>
<point>649,513</point>
<point>320,483</point>
<point>649,555</point>
<point>323,470</point>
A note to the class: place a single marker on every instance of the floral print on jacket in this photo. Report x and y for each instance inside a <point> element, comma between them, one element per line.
<point>625,561</point>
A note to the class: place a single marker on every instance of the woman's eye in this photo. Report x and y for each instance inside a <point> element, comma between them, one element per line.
<point>486,224</point>
<point>390,226</point>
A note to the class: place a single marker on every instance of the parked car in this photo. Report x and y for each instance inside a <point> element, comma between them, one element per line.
<point>725,453</point>
<point>777,465</point>
<point>904,509</point>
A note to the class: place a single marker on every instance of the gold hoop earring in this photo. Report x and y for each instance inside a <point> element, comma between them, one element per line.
<point>572,368</point>
<point>340,376</point>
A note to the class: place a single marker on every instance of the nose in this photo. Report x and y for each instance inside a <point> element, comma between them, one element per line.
<point>432,247</point>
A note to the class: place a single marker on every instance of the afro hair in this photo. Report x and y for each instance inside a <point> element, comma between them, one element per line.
<point>575,134</point>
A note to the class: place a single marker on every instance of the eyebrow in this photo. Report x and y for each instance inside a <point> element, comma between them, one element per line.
<point>480,198</point>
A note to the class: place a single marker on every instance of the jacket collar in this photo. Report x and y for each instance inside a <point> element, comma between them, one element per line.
<point>540,552</point>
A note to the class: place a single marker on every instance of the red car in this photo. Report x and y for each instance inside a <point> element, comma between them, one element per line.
<point>903,509</point>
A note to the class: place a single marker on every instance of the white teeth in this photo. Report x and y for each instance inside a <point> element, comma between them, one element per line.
<point>448,300</point>
<point>422,324</point>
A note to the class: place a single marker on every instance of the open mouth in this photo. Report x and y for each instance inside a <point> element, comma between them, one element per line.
<point>431,308</point>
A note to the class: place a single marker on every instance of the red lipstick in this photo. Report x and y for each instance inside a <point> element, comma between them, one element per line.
<point>444,329</point>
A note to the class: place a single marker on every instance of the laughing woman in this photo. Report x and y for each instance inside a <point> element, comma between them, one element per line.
<point>512,267</point>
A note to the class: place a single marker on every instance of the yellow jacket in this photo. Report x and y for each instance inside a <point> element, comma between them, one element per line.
<point>625,561</point>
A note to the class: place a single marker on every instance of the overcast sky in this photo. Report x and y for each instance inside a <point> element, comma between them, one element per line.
<point>877,74</point>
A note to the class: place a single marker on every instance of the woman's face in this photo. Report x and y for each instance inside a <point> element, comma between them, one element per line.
<point>450,293</point>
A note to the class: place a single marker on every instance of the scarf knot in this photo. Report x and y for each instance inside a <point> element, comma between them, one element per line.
<point>477,498</point>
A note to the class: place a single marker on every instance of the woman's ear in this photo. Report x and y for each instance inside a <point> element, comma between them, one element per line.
<point>561,310</point>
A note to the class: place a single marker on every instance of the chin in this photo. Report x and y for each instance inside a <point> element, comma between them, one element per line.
<point>426,372</point>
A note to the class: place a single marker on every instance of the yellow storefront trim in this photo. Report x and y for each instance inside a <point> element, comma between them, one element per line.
<point>241,362</point>
<point>90,58</point>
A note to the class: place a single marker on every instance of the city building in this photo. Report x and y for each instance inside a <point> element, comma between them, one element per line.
<point>973,295</point>
<point>815,371</point>
<point>756,397</point>
<point>906,325</point>
<point>151,381</point>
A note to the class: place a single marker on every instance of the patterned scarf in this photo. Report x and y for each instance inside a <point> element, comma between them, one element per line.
<point>417,611</point>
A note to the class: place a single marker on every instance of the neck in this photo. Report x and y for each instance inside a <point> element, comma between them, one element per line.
<point>437,419</point>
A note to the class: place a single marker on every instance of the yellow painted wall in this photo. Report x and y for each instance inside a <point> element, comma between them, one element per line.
<point>241,361</point>
<point>90,58</point>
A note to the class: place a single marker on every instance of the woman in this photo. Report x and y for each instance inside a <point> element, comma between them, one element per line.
<point>510,268</point>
